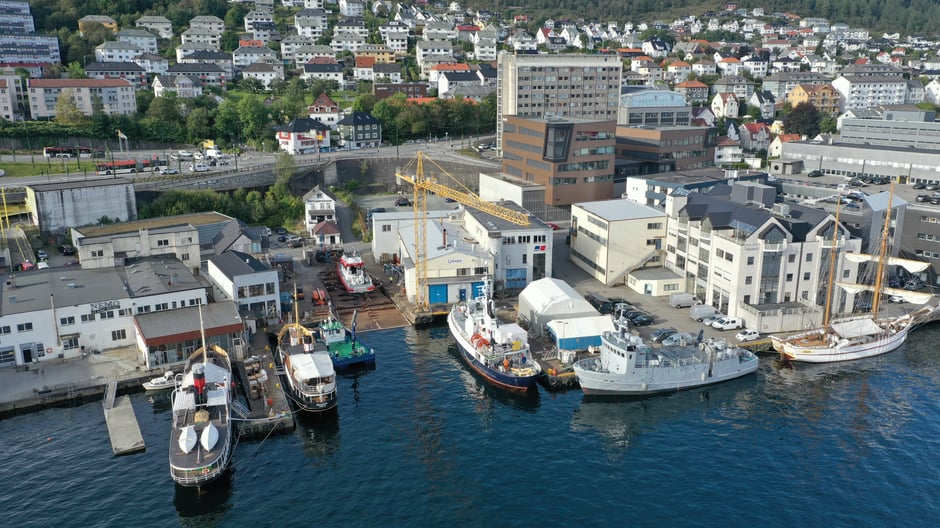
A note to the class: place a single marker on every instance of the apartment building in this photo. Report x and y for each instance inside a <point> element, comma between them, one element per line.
<point>116,95</point>
<point>576,86</point>
<point>824,97</point>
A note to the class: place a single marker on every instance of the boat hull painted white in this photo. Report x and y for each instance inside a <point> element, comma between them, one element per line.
<point>880,345</point>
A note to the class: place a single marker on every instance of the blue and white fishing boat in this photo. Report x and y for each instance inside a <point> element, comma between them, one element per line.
<point>497,351</point>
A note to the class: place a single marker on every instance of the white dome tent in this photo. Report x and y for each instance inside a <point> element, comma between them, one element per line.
<point>548,299</point>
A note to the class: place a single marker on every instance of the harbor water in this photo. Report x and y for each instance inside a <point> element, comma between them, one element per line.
<point>422,441</point>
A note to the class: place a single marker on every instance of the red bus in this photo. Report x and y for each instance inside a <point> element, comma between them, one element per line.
<point>73,152</point>
<point>116,167</point>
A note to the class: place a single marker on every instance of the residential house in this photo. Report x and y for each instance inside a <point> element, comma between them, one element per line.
<point>159,25</point>
<point>181,85</point>
<point>703,116</point>
<point>779,84</point>
<point>206,74</point>
<point>387,73</point>
<point>351,26</point>
<point>439,31</point>
<point>754,136</point>
<point>655,47</point>
<point>319,206</point>
<point>152,64</point>
<point>823,96</point>
<point>303,135</point>
<point>266,32</point>
<point>678,71</point>
<point>326,235</point>
<point>266,71</point>
<point>521,41</point>
<point>255,16</point>
<point>350,42</point>
<point>117,96</point>
<point>323,68</point>
<point>118,70</point>
<point>198,35</point>
<point>739,86</point>
<point>210,22</point>
<point>411,90</point>
<point>185,50</point>
<point>704,67</point>
<point>725,105</point>
<point>215,58</point>
<point>141,38</point>
<point>756,65</point>
<point>310,23</point>
<point>450,82</point>
<point>245,56</point>
<point>325,110</point>
<point>380,52</point>
<point>729,66</point>
<point>306,53</point>
<point>363,70</point>
<point>764,100</point>
<point>693,91</point>
<point>116,51</point>
<point>359,130</point>
<point>775,150</point>
<point>86,21</point>
<point>12,95</point>
<point>728,152</point>
<point>351,8</point>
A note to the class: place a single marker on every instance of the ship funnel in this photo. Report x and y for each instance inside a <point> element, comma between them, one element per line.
<point>308,343</point>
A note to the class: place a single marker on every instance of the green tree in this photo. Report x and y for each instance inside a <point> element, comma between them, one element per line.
<point>75,71</point>
<point>803,119</point>
<point>364,103</point>
<point>66,111</point>
<point>199,125</point>
<point>254,116</point>
<point>228,122</point>
<point>165,109</point>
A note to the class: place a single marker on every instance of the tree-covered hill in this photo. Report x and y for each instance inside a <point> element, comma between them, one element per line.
<point>904,16</point>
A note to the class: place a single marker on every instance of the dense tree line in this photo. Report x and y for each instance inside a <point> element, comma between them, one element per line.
<point>905,16</point>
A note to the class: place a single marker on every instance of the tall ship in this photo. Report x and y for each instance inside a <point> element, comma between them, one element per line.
<point>352,273</point>
<point>202,435</point>
<point>344,348</point>
<point>311,378</point>
<point>626,366</point>
<point>497,351</point>
<point>865,335</point>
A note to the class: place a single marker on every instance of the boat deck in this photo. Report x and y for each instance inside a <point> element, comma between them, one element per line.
<point>267,410</point>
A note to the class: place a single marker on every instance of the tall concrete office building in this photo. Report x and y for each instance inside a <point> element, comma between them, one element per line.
<point>546,86</point>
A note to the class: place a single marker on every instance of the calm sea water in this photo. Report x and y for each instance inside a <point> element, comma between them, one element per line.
<point>420,441</point>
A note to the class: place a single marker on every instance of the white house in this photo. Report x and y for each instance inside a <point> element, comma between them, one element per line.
<point>241,278</point>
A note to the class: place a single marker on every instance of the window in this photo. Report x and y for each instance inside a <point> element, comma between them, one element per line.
<point>70,343</point>
<point>86,318</point>
<point>118,335</point>
<point>65,321</point>
<point>806,276</point>
<point>750,261</point>
<point>525,258</point>
<point>809,257</point>
<point>184,256</point>
<point>24,327</point>
<point>107,315</point>
<point>789,277</point>
<point>163,243</point>
<point>161,306</point>
<point>143,309</point>
<point>4,330</point>
<point>748,280</point>
<point>386,228</point>
<point>97,253</point>
<point>124,312</point>
<point>791,258</point>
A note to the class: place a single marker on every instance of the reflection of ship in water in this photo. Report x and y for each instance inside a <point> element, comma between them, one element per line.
<point>619,421</point>
<point>320,435</point>
<point>487,395</point>
<point>160,401</point>
<point>206,506</point>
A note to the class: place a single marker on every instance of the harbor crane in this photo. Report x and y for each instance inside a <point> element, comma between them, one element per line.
<point>422,184</point>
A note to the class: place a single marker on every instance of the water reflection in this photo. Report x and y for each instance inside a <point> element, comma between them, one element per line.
<point>205,506</point>
<point>160,401</point>
<point>320,435</point>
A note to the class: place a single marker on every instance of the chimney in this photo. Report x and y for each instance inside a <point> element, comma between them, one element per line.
<point>444,232</point>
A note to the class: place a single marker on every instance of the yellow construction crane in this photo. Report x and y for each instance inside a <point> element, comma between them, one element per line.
<point>422,184</point>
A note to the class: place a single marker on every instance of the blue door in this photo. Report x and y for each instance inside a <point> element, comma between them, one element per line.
<point>462,294</point>
<point>515,278</point>
<point>437,293</point>
<point>477,289</point>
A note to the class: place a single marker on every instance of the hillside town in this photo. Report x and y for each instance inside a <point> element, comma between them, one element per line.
<point>735,169</point>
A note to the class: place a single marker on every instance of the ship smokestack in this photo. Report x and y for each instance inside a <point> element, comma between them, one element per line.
<point>308,343</point>
<point>199,382</point>
<point>444,233</point>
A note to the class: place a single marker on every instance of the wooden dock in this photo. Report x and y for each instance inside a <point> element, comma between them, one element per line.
<point>267,411</point>
<point>122,423</point>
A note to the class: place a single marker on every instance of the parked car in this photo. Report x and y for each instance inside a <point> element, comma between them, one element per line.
<point>555,227</point>
<point>747,335</point>
<point>923,197</point>
<point>66,249</point>
<point>42,265</point>
<point>295,241</point>
<point>660,334</point>
<point>167,170</point>
<point>707,321</point>
<point>41,254</point>
<point>643,320</point>
<point>185,154</point>
<point>727,323</point>
<point>919,185</point>
<point>600,303</point>
<point>402,201</point>
<point>815,174</point>
<point>299,292</point>
<point>280,230</point>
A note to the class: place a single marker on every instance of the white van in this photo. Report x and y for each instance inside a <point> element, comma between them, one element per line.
<point>199,167</point>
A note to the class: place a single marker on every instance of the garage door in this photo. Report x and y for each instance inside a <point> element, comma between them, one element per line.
<point>515,278</point>
<point>437,294</point>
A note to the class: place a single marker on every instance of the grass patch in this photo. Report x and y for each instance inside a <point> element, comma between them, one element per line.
<point>43,166</point>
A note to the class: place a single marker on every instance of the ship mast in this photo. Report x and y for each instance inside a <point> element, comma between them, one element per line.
<point>827,315</point>
<point>202,334</point>
<point>879,277</point>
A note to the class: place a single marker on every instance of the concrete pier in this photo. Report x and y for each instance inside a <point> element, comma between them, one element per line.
<point>122,423</point>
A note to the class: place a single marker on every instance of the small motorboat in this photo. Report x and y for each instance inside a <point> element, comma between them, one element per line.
<point>166,381</point>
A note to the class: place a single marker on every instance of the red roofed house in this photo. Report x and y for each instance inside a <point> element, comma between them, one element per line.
<point>728,151</point>
<point>776,146</point>
<point>678,71</point>
<point>754,136</point>
<point>325,110</point>
<point>693,91</point>
<point>363,70</point>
